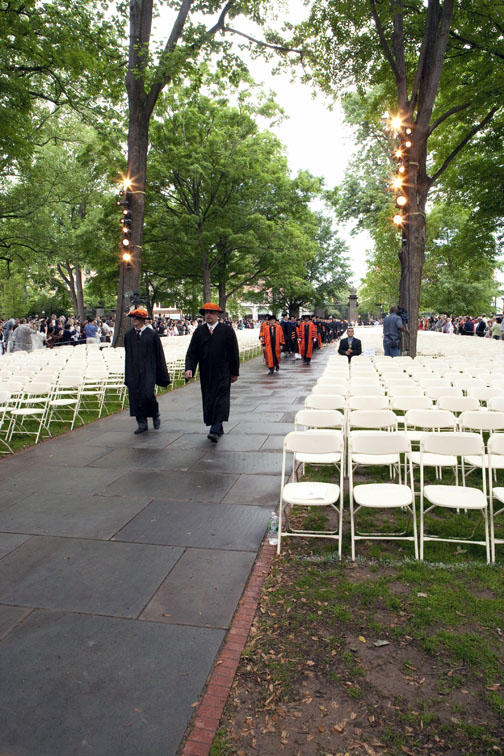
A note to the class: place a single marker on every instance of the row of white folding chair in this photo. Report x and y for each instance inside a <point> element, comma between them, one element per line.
<point>4,416</point>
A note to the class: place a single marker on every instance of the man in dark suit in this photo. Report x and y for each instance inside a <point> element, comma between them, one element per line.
<point>350,346</point>
<point>215,348</point>
<point>145,367</point>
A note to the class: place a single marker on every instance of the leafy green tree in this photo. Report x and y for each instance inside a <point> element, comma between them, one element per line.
<point>57,228</point>
<point>439,65</point>
<point>223,207</point>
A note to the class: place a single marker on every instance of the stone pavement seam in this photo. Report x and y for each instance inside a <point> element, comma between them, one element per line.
<point>209,712</point>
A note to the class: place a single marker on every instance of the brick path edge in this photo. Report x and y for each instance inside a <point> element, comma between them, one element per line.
<point>206,721</point>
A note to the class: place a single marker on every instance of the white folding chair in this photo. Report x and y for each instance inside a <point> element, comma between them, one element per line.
<point>383,496</point>
<point>495,448</point>
<point>31,408</point>
<point>297,495</point>
<point>452,497</point>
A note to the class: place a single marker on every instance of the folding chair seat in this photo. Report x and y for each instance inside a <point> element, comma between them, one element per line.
<point>466,383</point>
<point>320,388</point>
<point>453,497</point>
<point>296,496</point>
<point>404,402</point>
<point>325,401</point>
<point>32,407</point>
<point>495,448</point>
<point>398,496</point>
<point>316,420</point>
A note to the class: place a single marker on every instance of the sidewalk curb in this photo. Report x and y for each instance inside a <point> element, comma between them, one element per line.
<point>206,722</point>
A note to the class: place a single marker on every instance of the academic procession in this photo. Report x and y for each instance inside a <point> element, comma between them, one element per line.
<point>125,557</point>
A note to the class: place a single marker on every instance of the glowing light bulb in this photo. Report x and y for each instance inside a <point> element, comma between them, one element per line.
<point>398,153</point>
<point>397,219</point>
<point>126,242</point>
<point>408,144</point>
<point>401,169</point>
<point>401,200</point>
<point>126,257</point>
<point>397,182</point>
<point>395,123</point>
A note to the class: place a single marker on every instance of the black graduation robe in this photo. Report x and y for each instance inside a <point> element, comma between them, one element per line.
<point>218,357</point>
<point>145,367</point>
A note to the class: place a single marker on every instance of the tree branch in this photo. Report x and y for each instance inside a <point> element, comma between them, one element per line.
<point>383,40</point>
<point>463,143</point>
<point>262,43</point>
<point>452,111</point>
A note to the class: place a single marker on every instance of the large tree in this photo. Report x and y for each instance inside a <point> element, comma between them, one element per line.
<point>440,65</point>
<point>149,72</point>
<point>222,198</point>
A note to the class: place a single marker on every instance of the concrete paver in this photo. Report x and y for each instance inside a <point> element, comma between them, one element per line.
<point>122,561</point>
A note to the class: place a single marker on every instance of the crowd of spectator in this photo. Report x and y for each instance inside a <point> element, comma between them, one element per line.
<point>467,325</point>
<point>28,334</point>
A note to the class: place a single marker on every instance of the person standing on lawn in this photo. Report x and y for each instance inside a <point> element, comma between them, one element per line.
<point>214,347</point>
<point>145,367</point>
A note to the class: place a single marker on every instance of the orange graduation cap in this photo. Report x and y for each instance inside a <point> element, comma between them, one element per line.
<point>210,307</point>
<point>138,312</point>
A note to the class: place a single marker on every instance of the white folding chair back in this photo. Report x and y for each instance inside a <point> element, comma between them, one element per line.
<point>496,403</point>
<point>368,402</point>
<point>325,401</point>
<point>376,445</point>
<point>305,494</point>
<point>453,497</point>
<point>458,403</point>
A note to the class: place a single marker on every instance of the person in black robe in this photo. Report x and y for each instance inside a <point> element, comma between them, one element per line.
<point>145,367</point>
<point>214,347</point>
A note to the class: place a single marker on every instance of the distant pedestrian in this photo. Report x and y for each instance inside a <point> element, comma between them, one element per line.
<point>393,326</point>
<point>272,340</point>
<point>307,336</point>
<point>145,367</point>
<point>214,348</point>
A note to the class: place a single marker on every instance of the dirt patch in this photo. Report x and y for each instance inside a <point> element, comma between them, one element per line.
<point>338,663</point>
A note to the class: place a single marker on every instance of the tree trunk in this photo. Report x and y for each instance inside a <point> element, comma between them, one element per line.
<point>129,278</point>
<point>222,295</point>
<point>80,311</point>
<point>205,271</point>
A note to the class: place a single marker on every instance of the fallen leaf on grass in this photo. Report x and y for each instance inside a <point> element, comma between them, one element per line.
<point>422,595</point>
<point>362,639</point>
<point>495,686</point>
<point>379,643</point>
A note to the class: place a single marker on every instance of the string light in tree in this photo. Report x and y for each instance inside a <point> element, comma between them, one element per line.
<point>401,157</point>
<point>124,201</point>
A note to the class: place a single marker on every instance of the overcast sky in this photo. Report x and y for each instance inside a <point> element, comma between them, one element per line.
<point>316,138</point>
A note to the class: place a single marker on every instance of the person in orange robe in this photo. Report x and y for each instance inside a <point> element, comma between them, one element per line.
<point>307,334</point>
<point>272,339</point>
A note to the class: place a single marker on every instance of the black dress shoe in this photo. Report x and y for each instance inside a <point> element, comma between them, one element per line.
<point>142,427</point>
<point>156,422</point>
<point>221,431</point>
<point>214,437</point>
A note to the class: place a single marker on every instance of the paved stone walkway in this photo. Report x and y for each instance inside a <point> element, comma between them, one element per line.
<point>122,560</point>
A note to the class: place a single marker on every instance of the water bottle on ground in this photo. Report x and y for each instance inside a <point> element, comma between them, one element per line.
<point>273,529</point>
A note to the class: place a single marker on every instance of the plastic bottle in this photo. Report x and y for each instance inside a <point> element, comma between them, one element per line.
<point>273,529</point>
